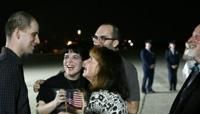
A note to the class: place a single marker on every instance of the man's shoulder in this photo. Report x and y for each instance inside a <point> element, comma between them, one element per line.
<point>128,63</point>
<point>142,50</point>
<point>167,50</point>
<point>130,68</point>
<point>2,57</point>
<point>7,59</point>
<point>7,63</point>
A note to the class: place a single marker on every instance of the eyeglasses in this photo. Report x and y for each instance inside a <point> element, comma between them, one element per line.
<point>102,38</point>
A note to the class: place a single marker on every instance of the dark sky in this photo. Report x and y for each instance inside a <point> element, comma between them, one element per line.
<point>159,21</point>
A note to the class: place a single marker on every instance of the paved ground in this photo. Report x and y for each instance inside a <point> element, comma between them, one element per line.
<point>158,103</point>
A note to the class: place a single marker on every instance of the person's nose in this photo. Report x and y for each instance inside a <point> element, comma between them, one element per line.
<point>37,40</point>
<point>69,60</point>
<point>191,43</point>
<point>84,63</point>
<point>191,39</point>
<point>95,40</point>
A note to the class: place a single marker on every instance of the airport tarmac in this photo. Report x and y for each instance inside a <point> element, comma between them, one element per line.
<point>42,67</point>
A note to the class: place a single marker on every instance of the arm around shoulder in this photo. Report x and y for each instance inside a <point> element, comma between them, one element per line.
<point>133,107</point>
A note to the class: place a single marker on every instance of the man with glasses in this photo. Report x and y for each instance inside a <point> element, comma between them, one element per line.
<point>103,39</point>
<point>107,35</point>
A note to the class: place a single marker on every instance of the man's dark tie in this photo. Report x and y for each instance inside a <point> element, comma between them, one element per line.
<point>195,68</point>
<point>186,90</point>
<point>195,71</point>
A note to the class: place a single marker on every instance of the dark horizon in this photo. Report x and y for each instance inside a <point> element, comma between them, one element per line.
<point>160,22</point>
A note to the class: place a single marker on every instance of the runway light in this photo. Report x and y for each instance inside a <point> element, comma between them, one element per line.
<point>131,44</point>
<point>79,32</point>
<point>69,42</point>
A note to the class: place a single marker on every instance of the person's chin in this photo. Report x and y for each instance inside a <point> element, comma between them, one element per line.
<point>28,53</point>
<point>96,44</point>
<point>84,75</point>
<point>187,57</point>
<point>190,55</point>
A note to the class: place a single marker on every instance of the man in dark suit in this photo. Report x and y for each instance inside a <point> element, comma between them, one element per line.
<point>188,99</point>
<point>148,64</point>
<point>172,57</point>
<point>21,32</point>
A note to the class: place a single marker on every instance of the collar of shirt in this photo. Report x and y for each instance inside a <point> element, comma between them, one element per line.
<point>196,67</point>
<point>173,51</point>
<point>8,52</point>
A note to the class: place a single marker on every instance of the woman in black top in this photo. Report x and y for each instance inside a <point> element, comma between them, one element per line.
<point>62,92</point>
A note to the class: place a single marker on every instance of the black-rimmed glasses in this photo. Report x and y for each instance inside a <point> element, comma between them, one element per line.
<point>103,38</point>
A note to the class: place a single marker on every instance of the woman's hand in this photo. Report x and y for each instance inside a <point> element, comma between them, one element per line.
<point>36,85</point>
<point>60,97</point>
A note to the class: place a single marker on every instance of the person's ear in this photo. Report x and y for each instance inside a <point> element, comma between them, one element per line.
<point>16,33</point>
<point>115,43</point>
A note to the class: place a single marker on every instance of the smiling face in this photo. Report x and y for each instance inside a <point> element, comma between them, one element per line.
<point>91,68</point>
<point>28,38</point>
<point>193,45</point>
<point>72,64</point>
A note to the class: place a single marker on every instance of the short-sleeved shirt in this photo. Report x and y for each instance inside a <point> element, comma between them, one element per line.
<point>105,102</point>
<point>48,90</point>
<point>132,81</point>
